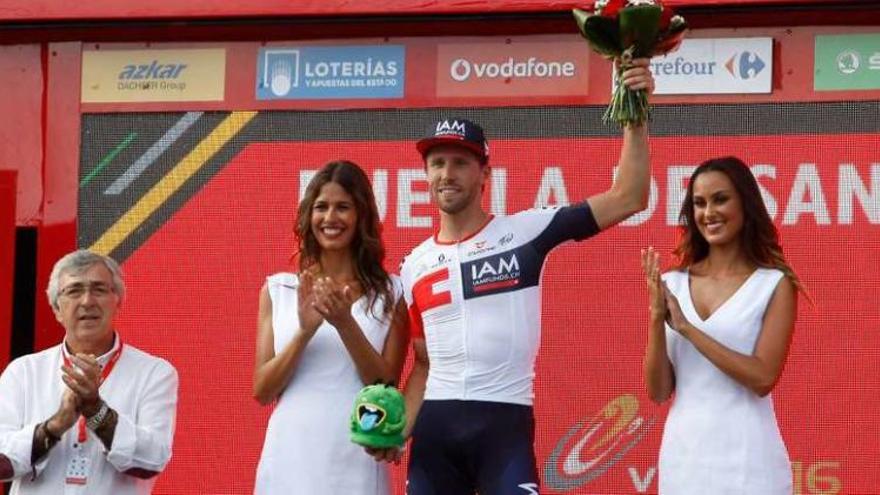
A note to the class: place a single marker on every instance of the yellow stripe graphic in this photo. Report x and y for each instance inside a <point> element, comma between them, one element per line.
<point>172,181</point>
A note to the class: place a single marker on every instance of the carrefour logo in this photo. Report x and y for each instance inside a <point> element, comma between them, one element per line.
<point>745,65</point>
<point>716,66</point>
<point>463,69</point>
<point>680,66</point>
<point>320,72</point>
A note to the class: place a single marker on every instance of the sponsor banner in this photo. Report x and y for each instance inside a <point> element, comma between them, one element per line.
<point>330,72</point>
<point>845,62</point>
<point>138,76</point>
<point>552,68</point>
<point>714,66</point>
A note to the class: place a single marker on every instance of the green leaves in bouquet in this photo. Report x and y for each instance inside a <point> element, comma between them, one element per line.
<point>639,26</point>
<point>626,30</point>
<point>602,33</point>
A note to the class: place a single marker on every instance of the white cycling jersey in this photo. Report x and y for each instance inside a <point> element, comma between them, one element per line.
<point>477,302</point>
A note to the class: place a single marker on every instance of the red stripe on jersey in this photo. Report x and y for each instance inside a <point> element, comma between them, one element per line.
<point>423,291</point>
<point>496,285</point>
<point>424,298</point>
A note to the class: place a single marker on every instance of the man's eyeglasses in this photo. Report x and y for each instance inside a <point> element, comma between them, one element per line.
<point>76,291</point>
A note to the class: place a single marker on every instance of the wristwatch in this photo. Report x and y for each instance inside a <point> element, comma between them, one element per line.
<point>95,420</point>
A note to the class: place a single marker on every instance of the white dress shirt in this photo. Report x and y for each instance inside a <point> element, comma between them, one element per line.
<point>141,388</point>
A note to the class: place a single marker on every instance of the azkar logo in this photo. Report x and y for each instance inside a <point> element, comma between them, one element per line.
<point>154,70</point>
<point>593,446</point>
<point>151,76</point>
<point>746,65</point>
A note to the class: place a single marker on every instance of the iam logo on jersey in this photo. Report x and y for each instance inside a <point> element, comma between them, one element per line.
<point>494,272</point>
<point>594,445</point>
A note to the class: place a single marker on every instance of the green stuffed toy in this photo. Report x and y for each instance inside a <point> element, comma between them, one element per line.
<point>379,417</point>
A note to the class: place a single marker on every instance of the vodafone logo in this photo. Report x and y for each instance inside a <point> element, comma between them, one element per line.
<point>462,69</point>
<point>552,67</point>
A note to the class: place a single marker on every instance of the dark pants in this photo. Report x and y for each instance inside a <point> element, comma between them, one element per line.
<point>460,447</point>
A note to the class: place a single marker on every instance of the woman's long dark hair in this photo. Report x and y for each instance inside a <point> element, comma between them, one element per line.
<point>759,237</point>
<point>367,249</point>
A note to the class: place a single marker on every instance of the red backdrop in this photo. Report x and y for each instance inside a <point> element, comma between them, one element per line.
<point>195,270</point>
<point>194,284</point>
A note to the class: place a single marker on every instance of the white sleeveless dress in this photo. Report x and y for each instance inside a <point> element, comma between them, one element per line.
<point>720,438</point>
<point>307,448</point>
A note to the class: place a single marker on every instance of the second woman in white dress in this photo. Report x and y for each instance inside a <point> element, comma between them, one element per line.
<point>324,333</point>
<point>720,330</point>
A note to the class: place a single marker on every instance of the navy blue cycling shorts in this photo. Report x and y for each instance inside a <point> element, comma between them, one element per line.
<point>463,447</point>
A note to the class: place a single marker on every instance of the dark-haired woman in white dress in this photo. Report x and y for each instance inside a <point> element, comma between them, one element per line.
<point>720,330</point>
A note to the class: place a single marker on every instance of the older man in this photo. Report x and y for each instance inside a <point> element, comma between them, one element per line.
<point>91,415</point>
